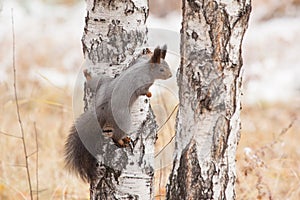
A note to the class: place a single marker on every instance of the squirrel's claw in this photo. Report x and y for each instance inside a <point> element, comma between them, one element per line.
<point>123,143</point>
<point>129,143</point>
<point>126,140</point>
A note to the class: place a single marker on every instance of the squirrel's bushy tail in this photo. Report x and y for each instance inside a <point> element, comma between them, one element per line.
<point>77,158</point>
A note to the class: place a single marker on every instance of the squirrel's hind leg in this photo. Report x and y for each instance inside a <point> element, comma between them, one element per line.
<point>125,142</point>
<point>122,143</point>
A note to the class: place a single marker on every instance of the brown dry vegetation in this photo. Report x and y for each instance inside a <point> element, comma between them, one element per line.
<point>268,164</point>
<point>268,156</point>
<point>268,153</point>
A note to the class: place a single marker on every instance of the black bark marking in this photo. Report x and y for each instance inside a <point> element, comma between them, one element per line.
<point>194,35</point>
<point>219,138</point>
<point>189,182</point>
<point>130,7</point>
<point>220,31</point>
<point>194,5</point>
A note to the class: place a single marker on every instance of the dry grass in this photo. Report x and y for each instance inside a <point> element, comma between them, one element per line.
<point>50,108</point>
<point>268,164</point>
<point>267,157</point>
<point>268,154</point>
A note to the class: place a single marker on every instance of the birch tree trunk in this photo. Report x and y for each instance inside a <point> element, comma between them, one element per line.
<point>209,79</point>
<point>114,30</point>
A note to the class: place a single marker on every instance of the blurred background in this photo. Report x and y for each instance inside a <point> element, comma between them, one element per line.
<point>48,60</point>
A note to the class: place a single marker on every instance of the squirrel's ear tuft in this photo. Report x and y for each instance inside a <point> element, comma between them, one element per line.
<point>156,55</point>
<point>163,51</point>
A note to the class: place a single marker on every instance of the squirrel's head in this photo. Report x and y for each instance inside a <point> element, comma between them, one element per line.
<point>159,67</point>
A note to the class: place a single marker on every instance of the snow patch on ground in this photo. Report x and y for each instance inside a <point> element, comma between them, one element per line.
<point>270,49</point>
<point>271,60</point>
<point>50,33</point>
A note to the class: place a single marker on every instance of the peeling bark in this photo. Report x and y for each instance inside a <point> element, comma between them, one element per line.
<point>114,32</point>
<point>209,79</point>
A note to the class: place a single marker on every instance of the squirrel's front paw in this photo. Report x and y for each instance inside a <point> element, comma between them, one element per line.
<point>149,94</point>
<point>122,143</point>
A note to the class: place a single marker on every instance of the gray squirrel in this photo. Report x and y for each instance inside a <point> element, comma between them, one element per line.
<point>111,110</point>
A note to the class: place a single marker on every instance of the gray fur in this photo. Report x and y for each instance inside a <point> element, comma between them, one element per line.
<point>112,104</point>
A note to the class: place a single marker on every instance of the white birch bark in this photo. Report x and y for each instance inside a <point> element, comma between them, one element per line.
<point>114,32</point>
<point>209,79</point>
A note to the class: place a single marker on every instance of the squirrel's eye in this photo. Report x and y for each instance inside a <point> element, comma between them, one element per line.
<point>162,69</point>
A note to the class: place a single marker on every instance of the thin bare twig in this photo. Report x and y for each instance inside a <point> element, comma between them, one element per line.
<point>16,165</point>
<point>31,154</point>
<point>286,129</point>
<point>160,177</point>
<point>17,105</point>
<point>168,118</point>
<point>165,146</point>
<point>37,162</point>
<point>10,135</point>
<point>161,128</point>
<point>276,139</point>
